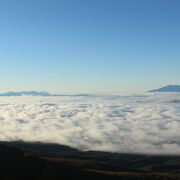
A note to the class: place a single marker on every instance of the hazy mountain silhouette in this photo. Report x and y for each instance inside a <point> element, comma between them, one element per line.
<point>26,93</point>
<point>42,93</point>
<point>169,88</point>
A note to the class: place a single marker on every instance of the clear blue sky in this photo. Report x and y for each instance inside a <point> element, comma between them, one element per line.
<point>89,45</point>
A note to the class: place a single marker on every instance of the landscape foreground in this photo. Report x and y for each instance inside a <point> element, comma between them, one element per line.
<point>38,161</point>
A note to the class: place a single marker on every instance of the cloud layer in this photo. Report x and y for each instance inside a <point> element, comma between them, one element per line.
<point>133,124</point>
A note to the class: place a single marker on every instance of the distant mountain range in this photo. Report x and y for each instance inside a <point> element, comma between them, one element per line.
<point>169,88</point>
<point>26,93</point>
<point>42,93</point>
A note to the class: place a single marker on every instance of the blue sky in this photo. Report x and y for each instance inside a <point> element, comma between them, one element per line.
<point>89,45</point>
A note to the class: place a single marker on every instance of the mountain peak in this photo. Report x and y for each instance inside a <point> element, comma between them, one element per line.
<point>168,88</point>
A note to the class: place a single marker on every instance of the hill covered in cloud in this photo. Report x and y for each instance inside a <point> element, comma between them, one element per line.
<point>147,124</point>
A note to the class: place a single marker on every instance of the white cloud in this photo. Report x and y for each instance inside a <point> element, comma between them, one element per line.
<point>136,124</point>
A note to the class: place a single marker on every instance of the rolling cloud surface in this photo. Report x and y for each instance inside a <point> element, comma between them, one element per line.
<point>149,123</point>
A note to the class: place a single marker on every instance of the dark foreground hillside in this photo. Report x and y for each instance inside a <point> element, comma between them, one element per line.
<point>27,161</point>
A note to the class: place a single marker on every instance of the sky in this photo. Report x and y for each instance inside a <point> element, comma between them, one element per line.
<point>69,46</point>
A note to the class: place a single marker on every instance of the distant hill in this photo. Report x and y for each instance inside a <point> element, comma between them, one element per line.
<point>42,93</point>
<point>25,93</point>
<point>169,88</point>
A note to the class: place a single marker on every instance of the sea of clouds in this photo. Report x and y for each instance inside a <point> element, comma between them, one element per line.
<point>148,123</point>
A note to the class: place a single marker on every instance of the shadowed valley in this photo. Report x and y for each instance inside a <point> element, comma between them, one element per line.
<point>21,160</point>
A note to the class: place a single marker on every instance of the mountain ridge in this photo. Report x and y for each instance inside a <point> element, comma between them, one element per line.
<point>25,93</point>
<point>40,93</point>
